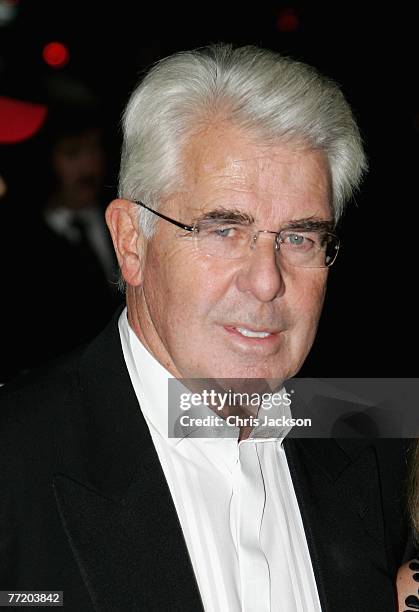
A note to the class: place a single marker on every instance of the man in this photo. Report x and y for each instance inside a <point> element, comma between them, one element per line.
<point>235,168</point>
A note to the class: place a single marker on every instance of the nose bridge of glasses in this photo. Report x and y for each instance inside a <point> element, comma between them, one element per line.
<point>255,236</point>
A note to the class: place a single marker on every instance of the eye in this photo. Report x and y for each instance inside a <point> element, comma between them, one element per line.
<point>224,232</point>
<point>294,239</point>
<point>297,240</point>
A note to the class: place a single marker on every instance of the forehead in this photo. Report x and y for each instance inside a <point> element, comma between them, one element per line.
<point>84,138</point>
<point>226,167</point>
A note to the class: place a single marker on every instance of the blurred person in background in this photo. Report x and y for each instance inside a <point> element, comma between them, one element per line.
<point>66,254</point>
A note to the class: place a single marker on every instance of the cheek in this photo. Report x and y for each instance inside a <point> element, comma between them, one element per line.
<point>63,168</point>
<point>180,290</point>
<point>308,301</point>
<point>195,289</point>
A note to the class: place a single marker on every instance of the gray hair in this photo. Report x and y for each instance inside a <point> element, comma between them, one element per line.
<point>272,97</point>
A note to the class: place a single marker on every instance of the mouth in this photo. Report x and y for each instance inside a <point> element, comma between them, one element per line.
<point>251,333</point>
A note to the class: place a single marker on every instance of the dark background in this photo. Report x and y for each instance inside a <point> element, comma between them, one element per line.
<point>369,321</point>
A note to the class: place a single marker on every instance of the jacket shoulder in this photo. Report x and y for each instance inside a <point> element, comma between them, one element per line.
<point>34,395</point>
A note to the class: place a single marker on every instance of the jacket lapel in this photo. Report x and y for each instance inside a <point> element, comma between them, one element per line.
<point>113,499</point>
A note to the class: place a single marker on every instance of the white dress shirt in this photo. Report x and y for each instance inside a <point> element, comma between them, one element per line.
<point>235,502</point>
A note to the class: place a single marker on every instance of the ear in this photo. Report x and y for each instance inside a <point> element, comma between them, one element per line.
<point>128,240</point>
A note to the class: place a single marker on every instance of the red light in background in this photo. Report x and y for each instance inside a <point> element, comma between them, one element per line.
<point>56,54</point>
<point>288,20</point>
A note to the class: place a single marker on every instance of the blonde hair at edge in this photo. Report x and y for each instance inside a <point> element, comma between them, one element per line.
<point>271,97</point>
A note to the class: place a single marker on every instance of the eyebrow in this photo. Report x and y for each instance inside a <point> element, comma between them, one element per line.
<point>231,215</point>
<point>235,215</point>
<point>311,224</point>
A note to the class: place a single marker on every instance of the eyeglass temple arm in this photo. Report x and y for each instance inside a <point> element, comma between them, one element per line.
<point>188,228</point>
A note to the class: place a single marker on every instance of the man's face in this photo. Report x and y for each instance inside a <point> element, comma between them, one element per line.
<point>79,164</point>
<point>189,305</point>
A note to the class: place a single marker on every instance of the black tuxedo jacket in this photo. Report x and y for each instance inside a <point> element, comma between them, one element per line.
<point>85,507</point>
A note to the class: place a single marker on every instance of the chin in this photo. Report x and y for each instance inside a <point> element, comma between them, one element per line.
<point>254,371</point>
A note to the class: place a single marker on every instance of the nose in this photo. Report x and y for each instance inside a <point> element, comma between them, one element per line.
<point>260,273</point>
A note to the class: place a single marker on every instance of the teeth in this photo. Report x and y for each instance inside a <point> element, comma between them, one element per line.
<point>252,334</point>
